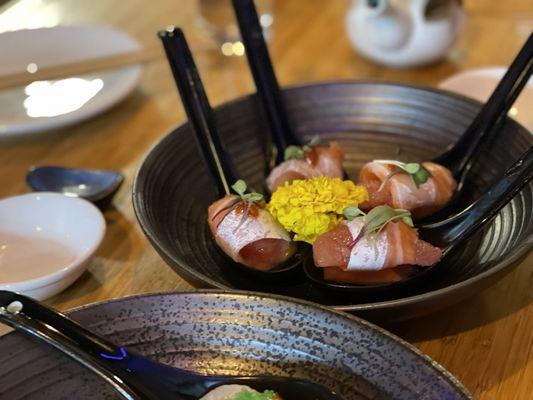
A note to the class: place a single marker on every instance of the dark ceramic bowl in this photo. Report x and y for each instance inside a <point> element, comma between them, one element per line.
<point>235,334</point>
<point>371,120</point>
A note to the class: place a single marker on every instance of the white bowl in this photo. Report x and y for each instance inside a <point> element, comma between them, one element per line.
<point>46,242</point>
<point>479,84</point>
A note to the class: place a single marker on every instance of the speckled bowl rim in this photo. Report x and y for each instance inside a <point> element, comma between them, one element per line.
<point>505,265</point>
<point>447,375</point>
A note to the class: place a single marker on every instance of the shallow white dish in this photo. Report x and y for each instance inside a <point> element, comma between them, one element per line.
<point>71,230</point>
<point>479,84</point>
<point>44,105</point>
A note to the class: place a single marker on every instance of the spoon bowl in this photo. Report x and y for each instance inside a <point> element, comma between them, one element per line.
<point>411,274</point>
<point>96,186</point>
<point>287,273</point>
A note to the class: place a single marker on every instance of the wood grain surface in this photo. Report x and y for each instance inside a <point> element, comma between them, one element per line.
<point>487,342</point>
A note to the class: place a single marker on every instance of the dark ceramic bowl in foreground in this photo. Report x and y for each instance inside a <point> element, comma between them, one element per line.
<point>234,334</point>
<point>371,120</point>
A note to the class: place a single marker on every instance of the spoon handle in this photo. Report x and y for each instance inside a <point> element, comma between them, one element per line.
<point>464,225</point>
<point>132,376</point>
<point>460,156</point>
<point>198,109</point>
<point>54,328</point>
<point>264,77</point>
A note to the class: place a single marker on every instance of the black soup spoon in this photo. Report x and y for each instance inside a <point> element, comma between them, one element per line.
<point>449,234</point>
<point>265,80</point>
<point>132,376</point>
<point>215,156</point>
<point>199,111</point>
<point>268,90</point>
<point>96,186</point>
<point>459,158</point>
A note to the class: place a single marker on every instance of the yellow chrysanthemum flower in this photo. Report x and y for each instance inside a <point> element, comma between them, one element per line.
<point>310,207</point>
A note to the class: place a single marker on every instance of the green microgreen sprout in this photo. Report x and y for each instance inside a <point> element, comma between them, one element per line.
<point>377,219</point>
<point>240,188</point>
<point>380,216</point>
<point>297,152</point>
<point>247,395</point>
<point>418,173</point>
<point>352,212</point>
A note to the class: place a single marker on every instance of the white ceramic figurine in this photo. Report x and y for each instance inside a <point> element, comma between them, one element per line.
<point>404,33</point>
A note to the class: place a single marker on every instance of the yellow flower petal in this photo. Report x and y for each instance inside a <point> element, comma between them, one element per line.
<point>310,207</point>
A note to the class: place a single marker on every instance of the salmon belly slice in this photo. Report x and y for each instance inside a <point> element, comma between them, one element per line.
<point>371,259</point>
<point>265,254</point>
<point>329,160</point>
<point>361,277</point>
<point>257,241</point>
<point>399,191</point>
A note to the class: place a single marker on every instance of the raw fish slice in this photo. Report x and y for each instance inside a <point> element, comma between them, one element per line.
<point>330,160</point>
<point>324,161</point>
<point>399,190</point>
<point>265,254</point>
<point>362,277</point>
<point>256,240</point>
<point>369,256</point>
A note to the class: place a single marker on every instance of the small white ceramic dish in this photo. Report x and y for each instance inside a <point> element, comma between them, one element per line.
<point>45,105</point>
<point>46,242</point>
<point>479,84</point>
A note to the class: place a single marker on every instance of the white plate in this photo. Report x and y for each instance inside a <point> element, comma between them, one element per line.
<point>68,231</point>
<point>45,105</point>
<point>479,84</point>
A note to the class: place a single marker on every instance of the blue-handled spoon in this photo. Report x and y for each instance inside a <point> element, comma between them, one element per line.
<point>131,375</point>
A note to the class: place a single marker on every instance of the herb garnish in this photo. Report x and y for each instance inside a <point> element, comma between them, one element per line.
<point>240,188</point>
<point>249,199</point>
<point>297,152</point>
<point>247,395</point>
<point>380,216</point>
<point>352,212</point>
<point>377,219</point>
<point>418,173</point>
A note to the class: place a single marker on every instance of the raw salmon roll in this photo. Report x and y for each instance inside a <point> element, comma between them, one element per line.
<point>387,184</point>
<point>319,161</point>
<point>347,255</point>
<point>248,233</point>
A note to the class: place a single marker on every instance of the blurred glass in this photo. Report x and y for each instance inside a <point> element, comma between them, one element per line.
<point>217,20</point>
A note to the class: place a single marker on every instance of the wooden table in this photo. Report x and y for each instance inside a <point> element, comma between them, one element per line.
<point>487,342</point>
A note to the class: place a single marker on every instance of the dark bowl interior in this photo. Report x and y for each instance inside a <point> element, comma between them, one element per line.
<point>172,189</point>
